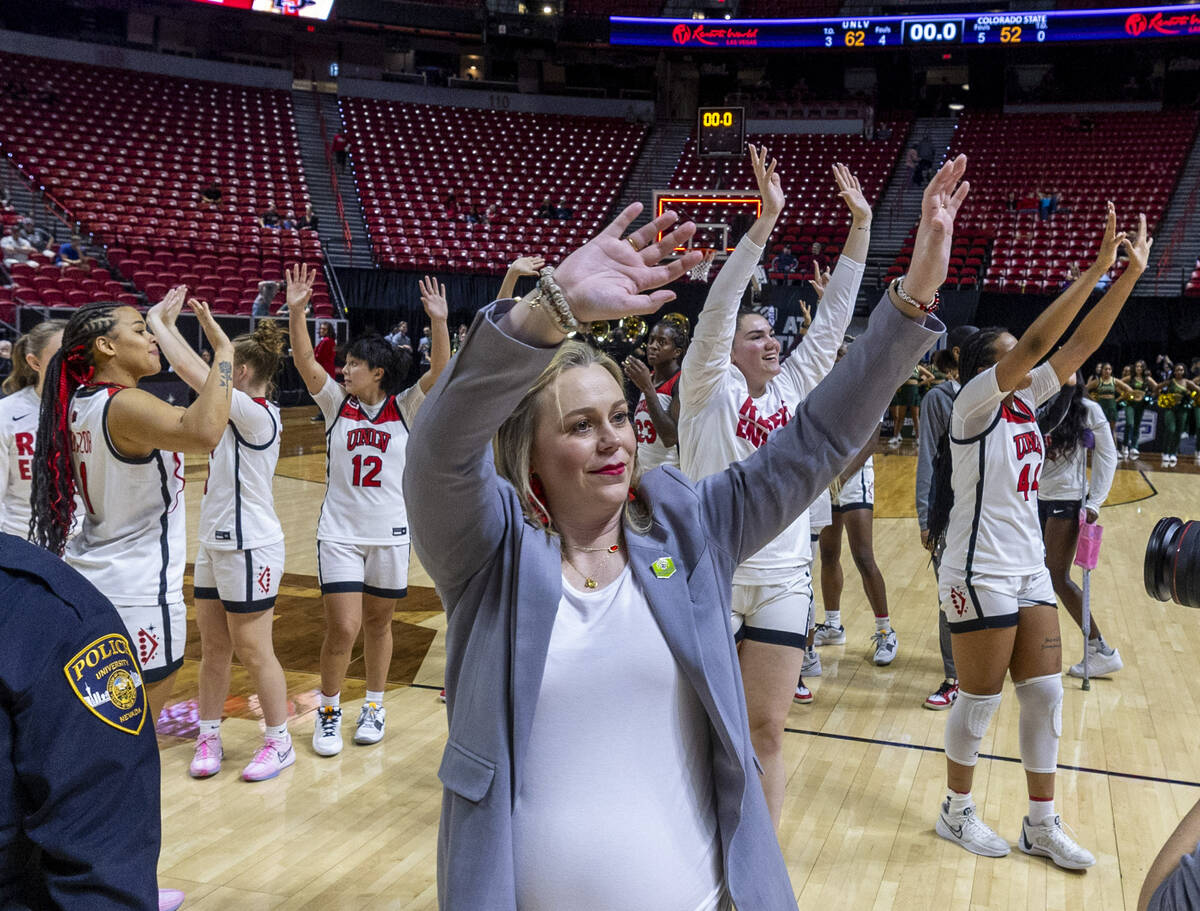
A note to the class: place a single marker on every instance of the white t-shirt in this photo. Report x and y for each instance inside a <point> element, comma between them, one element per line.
<point>721,423</point>
<point>133,541</point>
<point>651,451</point>
<point>617,810</point>
<point>238,509</point>
<point>1061,477</point>
<point>364,466</point>
<point>18,437</point>
<point>997,454</point>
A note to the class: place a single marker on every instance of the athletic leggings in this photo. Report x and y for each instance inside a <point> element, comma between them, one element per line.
<point>1133,422</point>
<point>1175,421</point>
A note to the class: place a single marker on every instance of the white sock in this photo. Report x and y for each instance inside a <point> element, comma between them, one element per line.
<point>210,727</point>
<point>375,696</point>
<point>1040,811</point>
<point>278,731</point>
<point>334,701</point>
<point>833,618</point>
<point>882,624</point>
<point>959,802</point>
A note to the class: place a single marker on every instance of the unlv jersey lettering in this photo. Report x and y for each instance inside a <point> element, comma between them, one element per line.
<point>367,436</point>
<point>1027,443</point>
<point>754,428</point>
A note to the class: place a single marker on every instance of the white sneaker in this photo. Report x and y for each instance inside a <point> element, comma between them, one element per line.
<point>1124,452</point>
<point>803,694</point>
<point>327,732</point>
<point>1099,664</point>
<point>885,646</point>
<point>1134,453</point>
<point>1050,840</point>
<point>895,441</point>
<point>970,832</point>
<point>812,663</point>
<point>829,635</point>
<point>369,728</point>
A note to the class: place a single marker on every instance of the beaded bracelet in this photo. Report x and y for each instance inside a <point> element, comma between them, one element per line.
<point>898,287</point>
<point>550,294</point>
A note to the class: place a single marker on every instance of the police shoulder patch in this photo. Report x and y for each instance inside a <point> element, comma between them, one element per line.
<point>107,679</point>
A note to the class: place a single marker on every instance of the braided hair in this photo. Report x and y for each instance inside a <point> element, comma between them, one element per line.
<point>74,365</point>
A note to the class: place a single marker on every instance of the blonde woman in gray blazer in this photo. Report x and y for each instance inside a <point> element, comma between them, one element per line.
<point>599,755</point>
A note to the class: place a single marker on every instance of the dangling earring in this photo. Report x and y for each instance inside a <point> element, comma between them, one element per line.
<point>632,494</point>
<point>538,498</point>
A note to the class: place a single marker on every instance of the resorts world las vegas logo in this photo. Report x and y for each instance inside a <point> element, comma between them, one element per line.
<point>1138,24</point>
<point>721,36</point>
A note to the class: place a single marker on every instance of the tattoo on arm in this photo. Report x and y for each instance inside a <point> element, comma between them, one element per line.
<point>225,368</point>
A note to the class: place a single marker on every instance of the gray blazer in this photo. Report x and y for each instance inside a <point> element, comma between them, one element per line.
<point>500,579</point>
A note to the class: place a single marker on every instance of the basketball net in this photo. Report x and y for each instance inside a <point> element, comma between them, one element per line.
<point>699,272</point>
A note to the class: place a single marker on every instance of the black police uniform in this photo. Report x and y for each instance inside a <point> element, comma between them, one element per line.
<point>79,773</point>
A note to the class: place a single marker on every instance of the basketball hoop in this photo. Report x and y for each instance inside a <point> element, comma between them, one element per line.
<point>699,272</point>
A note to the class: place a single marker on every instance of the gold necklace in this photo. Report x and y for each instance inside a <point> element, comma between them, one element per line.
<point>588,581</point>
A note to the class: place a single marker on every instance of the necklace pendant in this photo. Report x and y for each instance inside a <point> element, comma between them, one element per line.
<point>589,583</point>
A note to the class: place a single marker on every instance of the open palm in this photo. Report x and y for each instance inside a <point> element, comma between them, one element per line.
<point>607,278</point>
<point>940,203</point>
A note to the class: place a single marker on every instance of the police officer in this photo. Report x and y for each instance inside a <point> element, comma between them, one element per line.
<point>79,775</point>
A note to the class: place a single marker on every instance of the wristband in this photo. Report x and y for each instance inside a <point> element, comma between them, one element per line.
<point>549,296</point>
<point>898,287</point>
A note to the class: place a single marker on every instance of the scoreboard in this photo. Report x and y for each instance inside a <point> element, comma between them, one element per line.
<point>1015,28</point>
<point>720,132</point>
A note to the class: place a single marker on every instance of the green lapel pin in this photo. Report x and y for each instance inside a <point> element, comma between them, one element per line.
<point>664,567</point>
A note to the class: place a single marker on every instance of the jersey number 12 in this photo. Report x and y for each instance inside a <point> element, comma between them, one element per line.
<point>372,465</point>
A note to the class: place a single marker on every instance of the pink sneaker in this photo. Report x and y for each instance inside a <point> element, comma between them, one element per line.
<point>206,761</point>
<point>273,757</point>
<point>169,899</point>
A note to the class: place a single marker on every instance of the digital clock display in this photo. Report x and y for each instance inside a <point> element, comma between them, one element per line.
<point>720,131</point>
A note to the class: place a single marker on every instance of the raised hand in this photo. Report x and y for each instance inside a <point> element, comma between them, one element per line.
<point>639,374</point>
<point>1111,240</point>
<point>433,298</point>
<point>852,195</point>
<point>216,336</point>
<point>769,185</point>
<point>931,251</point>
<point>1138,249</point>
<point>817,282</point>
<point>527,265</point>
<point>167,310</point>
<point>608,276</point>
<point>300,279</point>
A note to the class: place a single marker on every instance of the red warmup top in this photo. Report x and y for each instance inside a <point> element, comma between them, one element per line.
<point>325,353</point>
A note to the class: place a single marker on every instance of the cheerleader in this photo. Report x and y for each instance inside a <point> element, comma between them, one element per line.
<point>1175,404</point>
<point>1105,389</point>
<point>1061,489</point>
<point>362,533</point>
<point>993,583</point>
<point>658,407</point>
<point>19,422</point>
<point>240,561</point>
<point>1142,390</point>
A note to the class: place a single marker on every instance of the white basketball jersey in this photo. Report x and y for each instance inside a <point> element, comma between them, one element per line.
<point>651,451</point>
<point>364,467</point>
<point>238,509</point>
<point>133,542</point>
<point>18,437</point>
<point>997,454</point>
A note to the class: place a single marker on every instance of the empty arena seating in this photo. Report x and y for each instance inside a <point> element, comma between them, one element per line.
<point>126,154</point>
<point>814,211</point>
<point>409,157</point>
<point>1101,157</point>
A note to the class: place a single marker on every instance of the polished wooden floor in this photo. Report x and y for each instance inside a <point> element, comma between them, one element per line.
<point>358,831</point>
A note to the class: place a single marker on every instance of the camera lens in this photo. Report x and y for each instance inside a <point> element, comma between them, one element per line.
<point>1172,567</point>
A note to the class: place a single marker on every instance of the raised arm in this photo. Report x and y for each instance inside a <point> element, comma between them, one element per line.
<point>188,365</point>
<point>665,420</point>
<point>299,291</point>
<point>1095,326</point>
<point>433,299</point>
<point>139,422</point>
<point>522,265</point>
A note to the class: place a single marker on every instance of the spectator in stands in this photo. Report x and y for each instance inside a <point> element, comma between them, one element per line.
<point>310,219</point>
<point>564,211</point>
<point>1053,204</point>
<point>785,261</point>
<point>460,336</point>
<point>6,204</point>
<point>423,347</point>
<point>546,209</point>
<point>339,144</point>
<point>1011,202</point>
<point>288,222</point>
<point>451,205</point>
<point>817,258</point>
<point>488,216</point>
<point>262,301</point>
<point>16,246</point>
<point>1043,204</point>
<point>210,194</point>
<point>1072,276</point>
<point>398,337</point>
<point>269,218</point>
<point>924,159</point>
<point>70,253</point>
<point>473,215</point>
<point>325,353</point>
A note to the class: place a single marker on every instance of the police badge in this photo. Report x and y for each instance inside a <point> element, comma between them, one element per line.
<point>107,679</point>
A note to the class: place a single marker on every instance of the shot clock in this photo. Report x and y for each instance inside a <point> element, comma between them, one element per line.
<point>720,132</point>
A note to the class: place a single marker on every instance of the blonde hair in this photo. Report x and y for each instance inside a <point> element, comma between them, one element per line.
<point>261,351</point>
<point>32,342</point>
<point>513,445</point>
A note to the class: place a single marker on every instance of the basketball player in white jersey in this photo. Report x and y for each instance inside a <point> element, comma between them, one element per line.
<point>993,583</point>
<point>121,449</point>
<point>240,559</point>
<point>19,422</point>
<point>657,412</point>
<point>362,534</point>
<point>734,393</point>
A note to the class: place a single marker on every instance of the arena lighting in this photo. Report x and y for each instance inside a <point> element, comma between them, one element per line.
<point>1127,24</point>
<point>303,9</point>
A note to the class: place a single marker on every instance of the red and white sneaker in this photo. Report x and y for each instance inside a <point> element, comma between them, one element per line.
<point>169,899</point>
<point>206,761</point>
<point>803,694</point>
<point>272,757</point>
<point>442,695</point>
<point>943,697</point>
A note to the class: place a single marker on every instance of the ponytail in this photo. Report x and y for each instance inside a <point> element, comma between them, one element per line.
<point>32,342</point>
<point>261,351</point>
<point>73,365</point>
